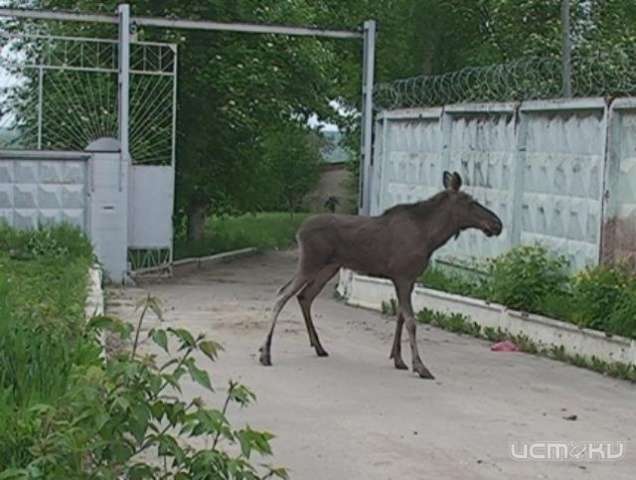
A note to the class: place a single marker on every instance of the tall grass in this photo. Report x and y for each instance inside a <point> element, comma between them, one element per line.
<point>42,294</point>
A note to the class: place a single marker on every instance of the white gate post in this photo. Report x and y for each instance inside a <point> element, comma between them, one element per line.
<point>124,89</point>
<point>368,73</point>
<point>125,215</point>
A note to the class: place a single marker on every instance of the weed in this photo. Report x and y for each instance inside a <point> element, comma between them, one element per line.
<point>459,323</point>
<point>389,308</point>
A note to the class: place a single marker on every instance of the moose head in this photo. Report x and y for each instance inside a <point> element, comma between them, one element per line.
<point>465,211</point>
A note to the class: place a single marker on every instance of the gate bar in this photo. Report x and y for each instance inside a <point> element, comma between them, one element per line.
<point>179,24</point>
<point>366,161</point>
<point>123,11</point>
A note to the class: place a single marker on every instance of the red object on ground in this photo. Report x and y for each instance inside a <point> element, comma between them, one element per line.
<point>505,346</point>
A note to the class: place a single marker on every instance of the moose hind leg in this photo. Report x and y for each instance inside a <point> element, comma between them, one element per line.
<point>396,350</point>
<point>404,291</point>
<point>265,351</point>
<point>306,297</point>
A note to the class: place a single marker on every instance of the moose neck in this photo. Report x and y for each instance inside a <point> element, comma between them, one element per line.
<point>438,224</point>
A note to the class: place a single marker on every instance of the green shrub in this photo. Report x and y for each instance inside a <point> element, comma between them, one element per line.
<point>596,293</point>
<point>61,242</point>
<point>622,318</point>
<point>524,277</point>
<point>112,413</point>
<point>438,278</point>
<point>67,413</point>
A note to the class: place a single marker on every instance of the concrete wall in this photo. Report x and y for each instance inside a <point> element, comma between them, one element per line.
<point>120,207</point>
<point>43,188</point>
<point>558,172</point>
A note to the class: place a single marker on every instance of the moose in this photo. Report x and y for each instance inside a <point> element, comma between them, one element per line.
<point>396,245</point>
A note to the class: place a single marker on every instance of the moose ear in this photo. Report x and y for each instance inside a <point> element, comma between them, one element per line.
<point>447,179</point>
<point>455,182</point>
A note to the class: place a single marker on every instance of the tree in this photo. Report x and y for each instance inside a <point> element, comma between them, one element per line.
<point>292,155</point>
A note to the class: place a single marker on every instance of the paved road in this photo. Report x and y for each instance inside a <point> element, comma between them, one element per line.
<point>352,416</point>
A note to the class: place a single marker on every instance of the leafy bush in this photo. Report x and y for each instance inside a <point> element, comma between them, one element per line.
<point>440,279</point>
<point>596,293</point>
<point>115,418</point>
<point>622,319</point>
<point>530,279</point>
<point>62,241</point>
<point>525,276</point>
<point>67,413</point>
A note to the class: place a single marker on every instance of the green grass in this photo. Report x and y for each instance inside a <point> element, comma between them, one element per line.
<point>262,230</point>
<point>43,277</point>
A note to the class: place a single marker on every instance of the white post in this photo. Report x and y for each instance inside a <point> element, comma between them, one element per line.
<point>368,73</point>
<point>40,106</point>
<point>566,49</point>
<point>124,89</point>
<point>125,216</point>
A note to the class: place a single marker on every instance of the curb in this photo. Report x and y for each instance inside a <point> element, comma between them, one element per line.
<point>370,292</point>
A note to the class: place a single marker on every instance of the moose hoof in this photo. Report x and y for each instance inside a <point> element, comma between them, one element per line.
<point>399,364</point>
<point>265,358</point>
<point>321,353</point>
<point>423,372</point>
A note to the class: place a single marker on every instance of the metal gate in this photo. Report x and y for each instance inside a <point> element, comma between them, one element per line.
<point>116,99</point>
<point>59,115</point>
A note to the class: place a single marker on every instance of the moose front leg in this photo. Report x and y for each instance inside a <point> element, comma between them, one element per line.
<point>404,291</point>
<point>396,350</point>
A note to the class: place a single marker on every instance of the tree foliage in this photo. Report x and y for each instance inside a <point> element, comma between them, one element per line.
<point>292,155</point>
<point>233,87</point>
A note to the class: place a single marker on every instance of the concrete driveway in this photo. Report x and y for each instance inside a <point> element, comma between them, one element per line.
<point>353,416</point>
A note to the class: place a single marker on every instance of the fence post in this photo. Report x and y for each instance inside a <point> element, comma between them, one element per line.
<point>518,169</point>
<point>566,48</point>
<point>445,125</point>
<point>368,73</point>
<point>40,105</point>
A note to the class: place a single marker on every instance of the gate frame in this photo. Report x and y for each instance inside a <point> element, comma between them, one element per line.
<point>127,23</point>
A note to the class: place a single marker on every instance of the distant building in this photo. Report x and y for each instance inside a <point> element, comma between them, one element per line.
<point>334,176</point>
<point>333,152</point>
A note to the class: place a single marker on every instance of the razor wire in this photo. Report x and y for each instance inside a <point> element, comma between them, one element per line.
<point>602,73</point>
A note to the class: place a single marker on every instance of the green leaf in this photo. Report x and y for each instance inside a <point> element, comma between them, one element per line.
<point>241,394</point>
<point>111,324</point>
<point>14,474</point>
<point>186,338</point>
<point>199,376</point>
<point>210,348</point>
<point>160,338</point>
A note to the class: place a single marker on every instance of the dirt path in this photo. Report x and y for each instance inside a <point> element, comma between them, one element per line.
<point>352,416</point>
